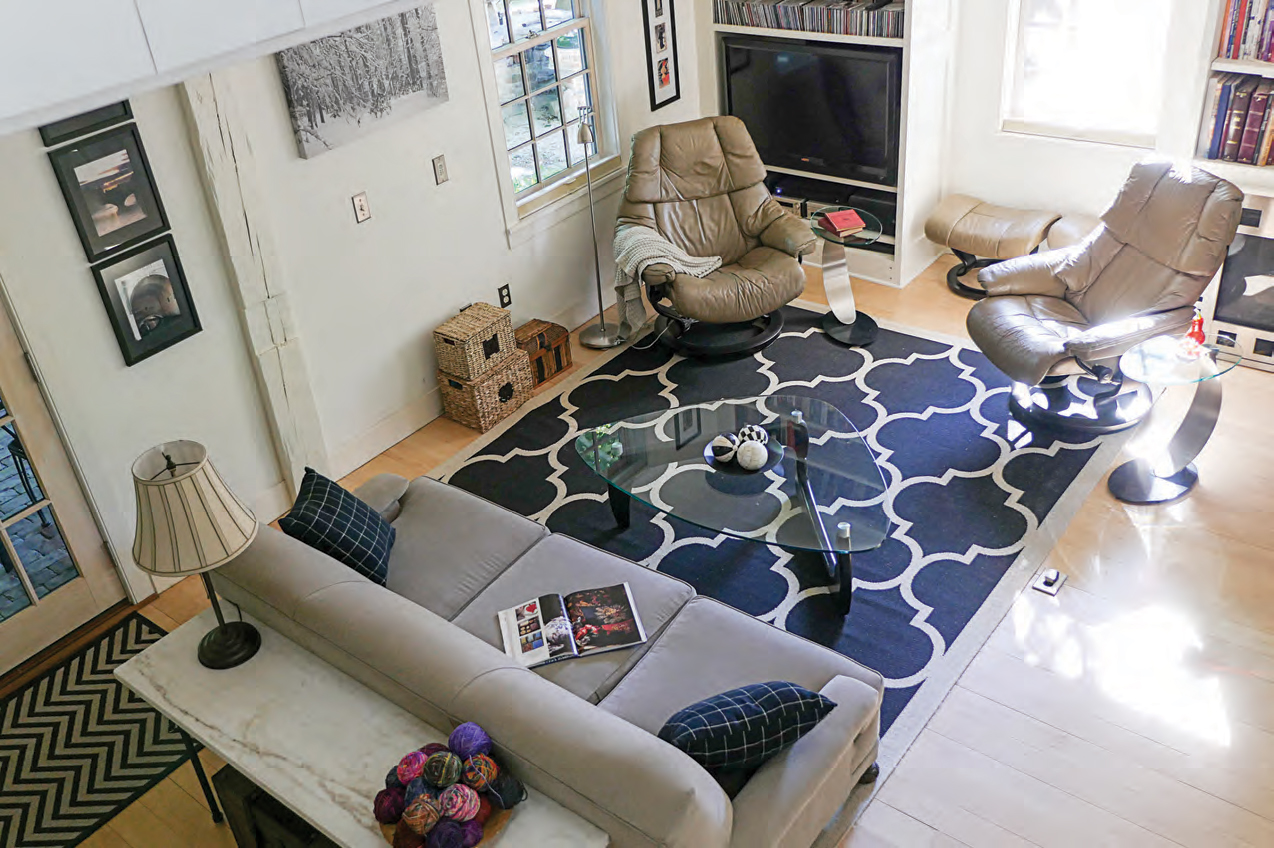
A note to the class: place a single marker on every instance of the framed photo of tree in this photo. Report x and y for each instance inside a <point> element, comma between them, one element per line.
<point>146,296</point>
<point>661,52</point>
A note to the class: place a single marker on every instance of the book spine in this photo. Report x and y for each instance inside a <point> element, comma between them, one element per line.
<point>1208,129</point>
<point>1252,125</point>
<point>1240,101</point>
<point>1252,30</point>
<point>1220,118</point>
<point>1263,148</point>
<point>1224,35</point>
<point>1236,31</point>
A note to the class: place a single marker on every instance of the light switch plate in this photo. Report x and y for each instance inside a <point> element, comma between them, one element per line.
<point>362,211</point>
<point>440,170</point>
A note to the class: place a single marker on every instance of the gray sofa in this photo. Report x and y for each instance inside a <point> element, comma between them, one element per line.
<point>581,731</point>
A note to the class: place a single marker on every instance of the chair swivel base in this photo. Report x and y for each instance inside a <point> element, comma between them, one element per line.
<point>956,272</point>
<point>1053,407</point>
<point>858,334</point>
<point>702,339</point>
<point>1135,483</point>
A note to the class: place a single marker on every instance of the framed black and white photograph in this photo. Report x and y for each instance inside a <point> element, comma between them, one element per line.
<point>110,191</point>
<point>147,299</point>
<point>344,86</point>
<point>661,52</point>
<point>69,129</point>
<point>687,426</point>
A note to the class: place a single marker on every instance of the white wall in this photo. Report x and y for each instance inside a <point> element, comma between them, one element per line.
<point>202,388</point>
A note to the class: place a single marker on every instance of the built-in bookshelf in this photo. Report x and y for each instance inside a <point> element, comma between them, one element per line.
<point>1238,108</point>
<point>871,18</point>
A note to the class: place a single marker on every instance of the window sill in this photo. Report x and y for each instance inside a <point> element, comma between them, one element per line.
<point>1113,139</point>
<point>547,209</point>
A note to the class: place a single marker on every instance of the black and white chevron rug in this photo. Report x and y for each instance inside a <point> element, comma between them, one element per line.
<point>972,497</point>
<point>76,746</point>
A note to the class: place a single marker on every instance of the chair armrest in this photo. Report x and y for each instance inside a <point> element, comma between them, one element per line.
<point>1115,337</point>
<point>1033,274</point>
<point>382,493</point>
<point>789,234</point>
<point>658,274</point>
<point>792,797</point>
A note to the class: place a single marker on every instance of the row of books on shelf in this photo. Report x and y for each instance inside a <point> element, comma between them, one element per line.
<point>879,18</point>
<point>1236,125</point>
<point>1247,30</point>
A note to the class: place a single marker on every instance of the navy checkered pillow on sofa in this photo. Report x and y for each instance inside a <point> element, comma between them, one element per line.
<point>744,727</point>
<point>331,520</point>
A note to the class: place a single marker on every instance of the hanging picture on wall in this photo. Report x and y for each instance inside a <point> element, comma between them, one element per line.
<point>110,191</point>
<point>346,85</point>
<point>661,52</point>
<point>146,297</point>
<point>60,132</point>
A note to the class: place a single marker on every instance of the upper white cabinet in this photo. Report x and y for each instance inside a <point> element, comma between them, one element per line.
<point>323,11</point>
<point>184,32</point>
<point>57,50</point>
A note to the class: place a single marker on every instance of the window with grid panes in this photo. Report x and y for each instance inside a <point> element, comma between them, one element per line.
<point>542,54</point>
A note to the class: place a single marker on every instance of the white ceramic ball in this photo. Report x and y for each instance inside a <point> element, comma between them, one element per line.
<point>724,447</point>
<point>754,433</point>
<point>751,456</point>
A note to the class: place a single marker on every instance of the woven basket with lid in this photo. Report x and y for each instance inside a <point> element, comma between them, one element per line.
<point>469,344</point>
<point>489,398</point>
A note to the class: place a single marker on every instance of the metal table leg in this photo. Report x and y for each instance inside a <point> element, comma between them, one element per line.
<point>1171,474</point>
<point>840,566</point>
<point>844,323</point>
<point>193,750</point>
<point>620,505</point>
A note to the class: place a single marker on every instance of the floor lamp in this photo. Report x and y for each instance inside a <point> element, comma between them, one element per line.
<point>600,335</point>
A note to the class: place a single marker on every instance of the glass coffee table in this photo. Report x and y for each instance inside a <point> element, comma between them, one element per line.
<point>820,489</point>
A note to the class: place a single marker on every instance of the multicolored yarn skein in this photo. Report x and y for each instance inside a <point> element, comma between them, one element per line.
<point>421,815</point>
<point>443,769</point>
<point>469,740</point>
<point>433,748</point>
<point>389,805</point>
<point>459,802</point>
<point>479,771</point>
<point>411,766</point>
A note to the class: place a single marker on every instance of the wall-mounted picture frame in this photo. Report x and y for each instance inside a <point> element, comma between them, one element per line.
<point>86,123</point>
<point>110,191</point>
<point>661,52</point>
<point>147,299</point>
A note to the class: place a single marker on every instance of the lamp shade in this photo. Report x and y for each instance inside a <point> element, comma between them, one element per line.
<point>188,520</point>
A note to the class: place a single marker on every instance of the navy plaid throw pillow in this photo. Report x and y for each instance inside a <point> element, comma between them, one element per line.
<point>744,727</point>
<point>331,520</point>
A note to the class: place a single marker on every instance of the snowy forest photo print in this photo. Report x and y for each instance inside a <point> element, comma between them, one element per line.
<point>344,86</point>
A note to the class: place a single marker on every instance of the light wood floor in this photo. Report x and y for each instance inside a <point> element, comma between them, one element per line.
<point>1136,708</point>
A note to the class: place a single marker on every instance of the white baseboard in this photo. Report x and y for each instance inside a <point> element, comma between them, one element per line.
<point>388,432</point>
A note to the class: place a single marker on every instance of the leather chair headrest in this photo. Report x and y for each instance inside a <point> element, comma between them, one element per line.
<point>692,161</point>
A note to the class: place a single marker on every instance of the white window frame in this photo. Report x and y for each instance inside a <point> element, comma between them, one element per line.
<point>543,204</point>
<point>1012,78</point>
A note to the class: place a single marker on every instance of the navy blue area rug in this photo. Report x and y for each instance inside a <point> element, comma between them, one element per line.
<point>967,488</point>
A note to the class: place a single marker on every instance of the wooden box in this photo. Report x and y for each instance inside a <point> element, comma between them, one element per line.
<point>470,343</point>
<point>486,400</point>
<point>548,345</point>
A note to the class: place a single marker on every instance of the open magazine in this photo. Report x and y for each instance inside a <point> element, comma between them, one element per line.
<point>552,628</point>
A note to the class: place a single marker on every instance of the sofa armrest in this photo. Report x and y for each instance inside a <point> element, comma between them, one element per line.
<point>789,234</point>
<point>792,797</point>
<point>1115,337</point>
<point>382,493</point>
<point>1025,275</point>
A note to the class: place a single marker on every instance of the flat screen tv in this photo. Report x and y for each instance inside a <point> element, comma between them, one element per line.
<point>826,109</point>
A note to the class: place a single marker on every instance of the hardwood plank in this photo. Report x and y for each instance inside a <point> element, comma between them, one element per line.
<point>183,601</point>
<point>882,826</point>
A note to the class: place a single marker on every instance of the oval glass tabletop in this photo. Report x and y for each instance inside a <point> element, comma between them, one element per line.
<point>818,464</point>
<point>1177,360</point>
<point>869,235</point>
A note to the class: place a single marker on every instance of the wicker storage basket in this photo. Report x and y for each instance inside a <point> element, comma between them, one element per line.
<point>469,344</point>
<point>548,345</point>
<point>487,400</point>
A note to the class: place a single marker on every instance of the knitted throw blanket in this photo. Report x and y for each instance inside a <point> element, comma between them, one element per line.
<point>636,249</point>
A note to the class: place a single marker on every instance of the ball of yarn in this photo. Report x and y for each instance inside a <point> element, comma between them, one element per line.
<point>751,456</point>
<point>724,447</point>
<point>389,805</point>
<point>415,789</point>
<point>421,815</point>
<point>405,837</point>
<point>472,833</point>
<point>433,748</point>
<point>459,802</point>
<point>506,791</point>
<point>448,834</point>
<point>479,771</point>
<point>410,767</point>
<point>443,769</point>
<point>484,810</point>
<point>469,740</point>
<point>753,433</point>
<point>392,781</point>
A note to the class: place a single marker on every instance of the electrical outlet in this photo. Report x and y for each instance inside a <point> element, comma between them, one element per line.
<point>440,170</point>
<point>506,298</point>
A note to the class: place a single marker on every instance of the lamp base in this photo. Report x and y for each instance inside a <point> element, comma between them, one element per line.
<point>600,336</point>
<point>229,645</point>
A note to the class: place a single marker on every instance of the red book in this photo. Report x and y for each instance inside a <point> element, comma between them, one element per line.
<point>843,222</point>
<point>1238,118</point>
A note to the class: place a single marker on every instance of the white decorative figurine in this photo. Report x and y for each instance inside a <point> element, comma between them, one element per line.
<point>751,455</point>
<point>754,433</point>
<point>724,447</point>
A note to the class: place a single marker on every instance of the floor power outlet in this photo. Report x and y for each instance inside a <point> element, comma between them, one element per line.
<point>1049,581</point>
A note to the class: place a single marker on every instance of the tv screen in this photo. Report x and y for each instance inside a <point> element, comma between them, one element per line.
<point>825,109</point>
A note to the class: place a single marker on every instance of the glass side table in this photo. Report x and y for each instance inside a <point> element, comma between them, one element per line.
<point>845,323</point>
<point>1169,472</point>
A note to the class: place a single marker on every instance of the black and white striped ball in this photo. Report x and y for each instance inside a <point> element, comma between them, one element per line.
<point>754,433</point>
<point>724,447</point>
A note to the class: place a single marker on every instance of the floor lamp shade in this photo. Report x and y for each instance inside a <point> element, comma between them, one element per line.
<point>188,520</point>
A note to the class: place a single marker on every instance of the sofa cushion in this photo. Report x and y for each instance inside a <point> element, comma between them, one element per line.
<point>561,564</point>
<point>744,727</point>
<point>709,648</point>
<point>452,544</point>
<point>331,520</point>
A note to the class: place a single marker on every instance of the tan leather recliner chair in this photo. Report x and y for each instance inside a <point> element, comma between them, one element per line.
<point>701,185</point>
<point>1136,276</point>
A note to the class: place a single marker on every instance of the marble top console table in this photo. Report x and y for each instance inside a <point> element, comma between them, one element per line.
<point>311,736</point>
